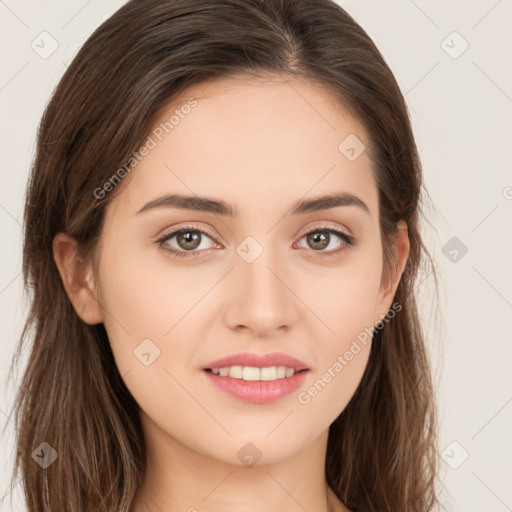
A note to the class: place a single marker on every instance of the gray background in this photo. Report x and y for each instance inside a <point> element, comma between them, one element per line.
<point>461,107</point>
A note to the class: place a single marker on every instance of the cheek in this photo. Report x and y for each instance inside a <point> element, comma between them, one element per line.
<point>344,298</point>
<point>142,307</point>
<point>345,303</point>
<point>149,306</point>
<point>143,295</point>
<point>133,311</point>
<point>343,349</point>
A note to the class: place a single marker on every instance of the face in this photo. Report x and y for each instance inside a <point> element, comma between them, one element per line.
<point>252,272</point>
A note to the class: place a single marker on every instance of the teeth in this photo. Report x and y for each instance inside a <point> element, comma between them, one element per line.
<point>269,373</point>
<point>236,372</point>
<point>252,373</point>
<point>249,373</point>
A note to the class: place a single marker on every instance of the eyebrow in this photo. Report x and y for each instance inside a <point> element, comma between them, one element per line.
<point>220,207</point>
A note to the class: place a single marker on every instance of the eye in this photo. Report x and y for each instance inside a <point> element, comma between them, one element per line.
<point>188,239</point>
<point>320,238</point>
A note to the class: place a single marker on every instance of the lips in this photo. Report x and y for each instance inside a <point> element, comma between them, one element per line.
<point>259,361</point>
<point>257,392</point>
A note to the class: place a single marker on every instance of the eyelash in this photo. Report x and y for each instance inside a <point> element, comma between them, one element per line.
<point>349,240</point>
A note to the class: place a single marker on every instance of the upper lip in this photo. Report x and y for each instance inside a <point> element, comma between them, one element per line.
<point>258,361</point>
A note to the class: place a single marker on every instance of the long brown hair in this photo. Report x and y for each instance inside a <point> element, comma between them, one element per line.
<point>381,453</point>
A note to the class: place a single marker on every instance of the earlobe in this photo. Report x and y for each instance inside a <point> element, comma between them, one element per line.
<point>78,279</point>
<point>389,283</point>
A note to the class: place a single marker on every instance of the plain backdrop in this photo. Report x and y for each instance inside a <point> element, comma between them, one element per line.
<point>452,61</point>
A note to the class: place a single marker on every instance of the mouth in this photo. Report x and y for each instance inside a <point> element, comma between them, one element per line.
<point>257,378</point>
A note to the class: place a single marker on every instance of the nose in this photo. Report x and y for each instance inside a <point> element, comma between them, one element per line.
<point>261,297</point>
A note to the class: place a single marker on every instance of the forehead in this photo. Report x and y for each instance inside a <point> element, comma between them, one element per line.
<point>252,142</point>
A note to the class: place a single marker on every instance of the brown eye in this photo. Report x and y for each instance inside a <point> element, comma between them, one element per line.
<point>318,239</point>
<point>189,242</point>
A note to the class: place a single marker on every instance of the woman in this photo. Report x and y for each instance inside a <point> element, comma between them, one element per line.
<point>222,240</point>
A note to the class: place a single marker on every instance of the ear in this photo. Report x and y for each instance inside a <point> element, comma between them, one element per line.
<point>78,279</point>
<point>390,280</point>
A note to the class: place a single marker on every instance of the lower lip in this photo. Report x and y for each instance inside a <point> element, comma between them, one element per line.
<point>258,391</point>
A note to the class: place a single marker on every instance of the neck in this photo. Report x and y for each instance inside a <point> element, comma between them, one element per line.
<point>178,478</point>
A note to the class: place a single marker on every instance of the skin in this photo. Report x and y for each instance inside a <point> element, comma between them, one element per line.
<point>260,145</point>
